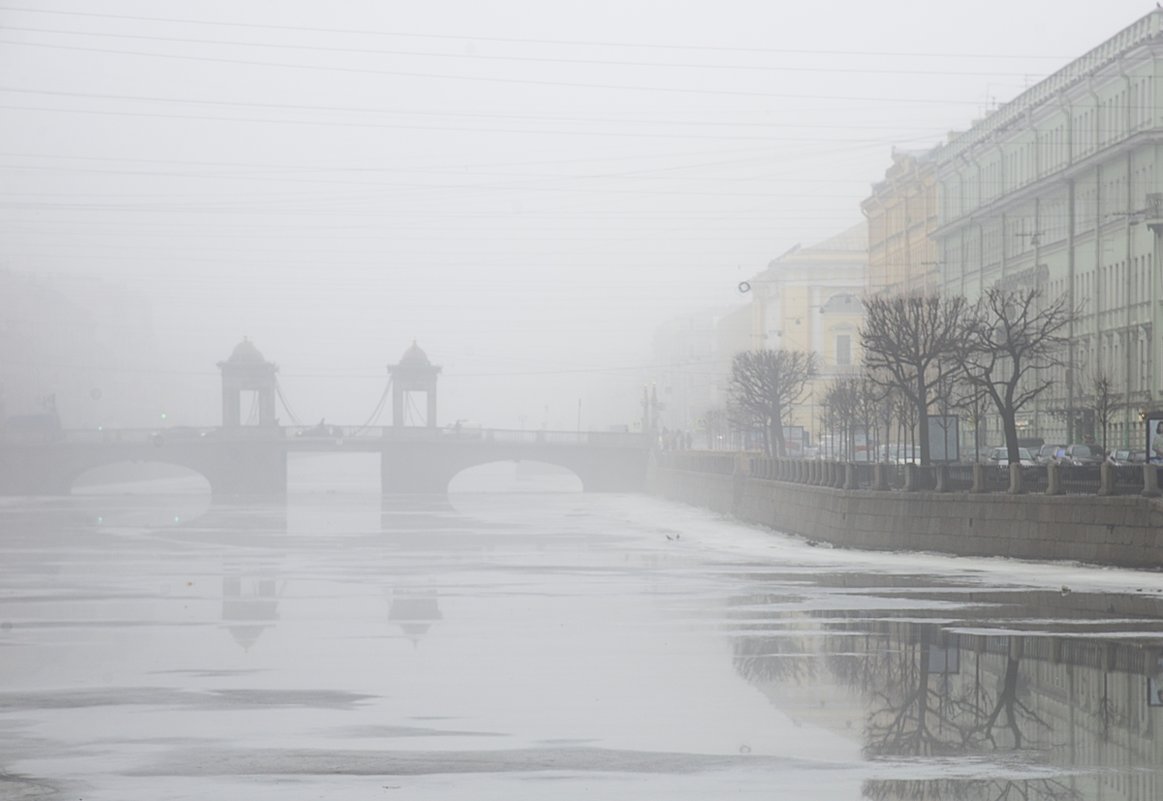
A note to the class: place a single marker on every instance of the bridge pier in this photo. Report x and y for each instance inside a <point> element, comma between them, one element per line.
<point>409,470</point>
<point>249,469</point>
<point>26,470</point>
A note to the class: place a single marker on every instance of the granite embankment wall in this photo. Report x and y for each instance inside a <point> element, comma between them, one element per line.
<point>1125,531</point>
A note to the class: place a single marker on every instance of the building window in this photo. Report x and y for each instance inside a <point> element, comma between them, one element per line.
<point>843,350</point>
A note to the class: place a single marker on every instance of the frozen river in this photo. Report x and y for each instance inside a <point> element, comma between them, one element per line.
<point>547,644</point>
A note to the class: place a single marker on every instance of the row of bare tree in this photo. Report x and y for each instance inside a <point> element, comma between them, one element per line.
<point>921,352</point>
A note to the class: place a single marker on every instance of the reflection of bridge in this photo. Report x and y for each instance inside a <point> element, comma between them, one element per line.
<point>251,460</point>
<point>249,457</point>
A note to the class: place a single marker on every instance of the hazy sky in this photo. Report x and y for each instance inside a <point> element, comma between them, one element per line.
<point>527,188</point>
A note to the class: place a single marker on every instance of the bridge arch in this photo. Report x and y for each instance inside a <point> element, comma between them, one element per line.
<point>508,475</point>
<point>231,468</point>
<point>429,466</point>
<point>170,475</point>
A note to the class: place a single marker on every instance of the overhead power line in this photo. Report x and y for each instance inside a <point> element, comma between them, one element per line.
<point>589,62</point>
<point>684,90</point>
<point>518,40</point>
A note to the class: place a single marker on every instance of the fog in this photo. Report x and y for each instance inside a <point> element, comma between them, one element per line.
<point>527,190</point>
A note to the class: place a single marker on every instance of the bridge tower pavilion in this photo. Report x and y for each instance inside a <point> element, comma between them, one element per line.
<point>247,371</point>
<point>414,374</point>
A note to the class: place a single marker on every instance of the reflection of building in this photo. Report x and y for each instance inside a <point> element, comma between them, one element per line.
<point>414,611</point>
<point>1082,704</point>
<point>250,606</point>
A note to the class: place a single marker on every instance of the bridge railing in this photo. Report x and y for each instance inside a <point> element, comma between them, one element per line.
<point>173,434</point>
<point>614,439</point>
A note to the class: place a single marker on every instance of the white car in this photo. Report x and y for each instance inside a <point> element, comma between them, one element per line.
<point>1001,457</point>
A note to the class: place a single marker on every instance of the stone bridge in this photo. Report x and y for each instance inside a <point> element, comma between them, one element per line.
<point>252,461</point>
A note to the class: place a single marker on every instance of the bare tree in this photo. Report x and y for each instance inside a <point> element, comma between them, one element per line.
<point>1105,402</point>
<point>840,401</point>
<point>853,403</point>
<point>766,385</point>
<point>1008,341</point>
<point>904,338</point>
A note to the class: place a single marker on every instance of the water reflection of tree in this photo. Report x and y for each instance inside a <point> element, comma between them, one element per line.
<point>1007,703</point>
<point>915,711</point>
<point>781,658</point>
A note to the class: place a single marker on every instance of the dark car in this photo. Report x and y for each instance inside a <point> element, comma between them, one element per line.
<point>1000,456</point>
<point>1122,457</point>
<point>1049,453</point>
<point>1080,454</point>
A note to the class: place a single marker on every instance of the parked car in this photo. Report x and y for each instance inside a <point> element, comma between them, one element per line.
<point>1049,453</point>
<point>896,453</point>
<point>1001,457</point>
<point>1124,456</point>
<point>1080,454</point>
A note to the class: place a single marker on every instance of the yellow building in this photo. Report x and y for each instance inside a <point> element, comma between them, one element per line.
<point>809,299</point>
<point>902,215</point>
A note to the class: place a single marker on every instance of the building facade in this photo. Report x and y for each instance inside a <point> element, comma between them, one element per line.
<point>1059,190</point>
<point>902,216</point>
<point>809,299</point>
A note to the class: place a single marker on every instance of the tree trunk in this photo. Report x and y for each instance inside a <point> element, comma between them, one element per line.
<point>776,434</point>
<point>923,417</point>
<point>1010,426</point>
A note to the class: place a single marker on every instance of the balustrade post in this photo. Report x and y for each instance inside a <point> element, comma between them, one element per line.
<point>1151,481</point>
<point>911,477</point>
<point>880,477</point>
<point>978,478</point>
<point>1015,479</point>
<point>849,476</point>
<point>942,481</point>
<point>1053,478</point>
<point>1106,479</point>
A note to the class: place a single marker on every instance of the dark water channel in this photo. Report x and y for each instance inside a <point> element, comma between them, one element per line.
<point>527,644</point>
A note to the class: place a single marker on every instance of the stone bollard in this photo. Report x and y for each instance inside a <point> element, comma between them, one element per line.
<point>1015,479</point>
<point>942,482</point>
<point>1053,479</point>
<point>849,476</point>
<point>1151,481</point>
<point>978,479</point>
<point>1106,479</point>
<point>840,475</point>
<point>880,477</point>
<point>912,484</point>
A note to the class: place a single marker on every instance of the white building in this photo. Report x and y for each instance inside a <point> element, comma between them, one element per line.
<point>1059,190</point>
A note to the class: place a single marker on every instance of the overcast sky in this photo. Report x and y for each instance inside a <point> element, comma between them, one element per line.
<point>526,188</point>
